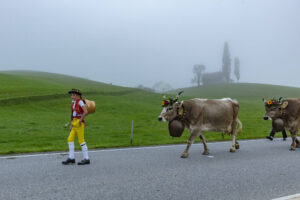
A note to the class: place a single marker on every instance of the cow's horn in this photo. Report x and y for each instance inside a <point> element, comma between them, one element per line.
<point>180,93</point>
<point>177,96</point>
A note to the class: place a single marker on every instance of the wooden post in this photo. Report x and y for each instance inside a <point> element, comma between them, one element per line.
<point>131,135</point>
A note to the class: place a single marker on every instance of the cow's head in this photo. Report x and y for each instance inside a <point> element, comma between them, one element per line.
<point>274,108</point>
<point>170,108</point>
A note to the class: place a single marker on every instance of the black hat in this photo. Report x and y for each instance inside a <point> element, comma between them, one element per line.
<point>75,91</point>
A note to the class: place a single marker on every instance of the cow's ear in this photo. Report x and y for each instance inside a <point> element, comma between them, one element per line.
<point>284,104</point>
<point>176,104</point>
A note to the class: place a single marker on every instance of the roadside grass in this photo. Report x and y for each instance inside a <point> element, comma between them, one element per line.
<point>36,124</point>
<point>39,125</point>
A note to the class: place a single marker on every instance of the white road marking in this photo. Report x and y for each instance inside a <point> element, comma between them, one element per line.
<point>121,149</point>
<point>210,156</point>
<point>92,151</point>
<point>291,197</point>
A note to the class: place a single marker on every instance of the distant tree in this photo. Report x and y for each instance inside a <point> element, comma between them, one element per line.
<point>198,70</point>
<point>226,67</point>
<point>237,68</point>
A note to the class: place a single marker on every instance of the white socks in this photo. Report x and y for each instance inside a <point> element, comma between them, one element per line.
<point>71,150</point>
<point>83,148</point>
<point>84,151</point>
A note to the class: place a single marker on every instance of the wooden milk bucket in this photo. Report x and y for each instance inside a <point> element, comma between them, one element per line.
<point>90,106</point>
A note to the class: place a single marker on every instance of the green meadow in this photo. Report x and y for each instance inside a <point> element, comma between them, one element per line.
<point>35,109</point>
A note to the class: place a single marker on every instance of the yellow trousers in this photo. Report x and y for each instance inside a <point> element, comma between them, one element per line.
<point>77,130</point>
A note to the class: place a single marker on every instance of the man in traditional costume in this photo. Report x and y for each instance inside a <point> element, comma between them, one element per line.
<point>78,113</point>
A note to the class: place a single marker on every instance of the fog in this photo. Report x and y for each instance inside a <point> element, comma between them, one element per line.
<point>132,42</point>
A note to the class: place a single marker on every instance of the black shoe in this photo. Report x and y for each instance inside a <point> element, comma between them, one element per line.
<point>84,162</point>
<point>68,161</point>
<point>269,137</point>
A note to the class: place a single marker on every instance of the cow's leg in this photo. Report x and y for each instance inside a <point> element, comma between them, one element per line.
<point>206,150</point>
<point>297,143</point>
<point>190,141</point>
<point>294,138</point>
<point>232,149</point>
<point>185,154</point>
<point>235,145</point>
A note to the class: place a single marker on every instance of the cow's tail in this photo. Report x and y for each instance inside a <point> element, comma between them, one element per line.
<point>240,125</point>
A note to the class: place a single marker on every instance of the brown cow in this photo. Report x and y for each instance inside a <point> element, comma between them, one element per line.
<point>289,111</point>
<point>200,115</point>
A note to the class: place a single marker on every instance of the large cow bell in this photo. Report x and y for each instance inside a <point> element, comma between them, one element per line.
<point>278,125</point>
<point>176,128</point>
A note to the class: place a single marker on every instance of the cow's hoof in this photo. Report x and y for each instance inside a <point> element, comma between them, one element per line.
<point>205,153</point>
<point>292,149</point>
<point>237,146</point>
<point>184,155</point>
<point>232,150</point>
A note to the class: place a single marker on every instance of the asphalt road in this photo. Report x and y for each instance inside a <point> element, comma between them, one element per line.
<point>259,170</point>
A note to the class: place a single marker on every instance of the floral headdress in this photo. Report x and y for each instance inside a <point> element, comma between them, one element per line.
<point>170,101</point>
<point>274,102</point>
<point>166,102</point>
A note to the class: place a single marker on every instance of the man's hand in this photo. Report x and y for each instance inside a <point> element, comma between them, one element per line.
<point>67,124</point>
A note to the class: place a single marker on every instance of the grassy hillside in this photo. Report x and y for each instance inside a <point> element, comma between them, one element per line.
<point>242,91</point>
<point>29,83</point>
<point>37,123</point>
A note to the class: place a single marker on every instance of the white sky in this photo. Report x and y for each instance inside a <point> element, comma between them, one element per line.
<point>132,42</point>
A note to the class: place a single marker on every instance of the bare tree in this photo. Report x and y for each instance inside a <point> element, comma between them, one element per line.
<point>226,69</point>
<point>198,70</point>
<point>237,68</point>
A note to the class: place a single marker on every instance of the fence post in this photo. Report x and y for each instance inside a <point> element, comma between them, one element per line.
<point>131,135</point>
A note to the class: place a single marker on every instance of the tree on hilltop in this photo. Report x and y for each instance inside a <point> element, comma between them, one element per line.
<point>226,67</point>
<point>198,70</point>
<point>237,68</point>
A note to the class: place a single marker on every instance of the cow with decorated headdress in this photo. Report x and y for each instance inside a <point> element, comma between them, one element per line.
<point>288,111</point>
<point>201,115</point>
